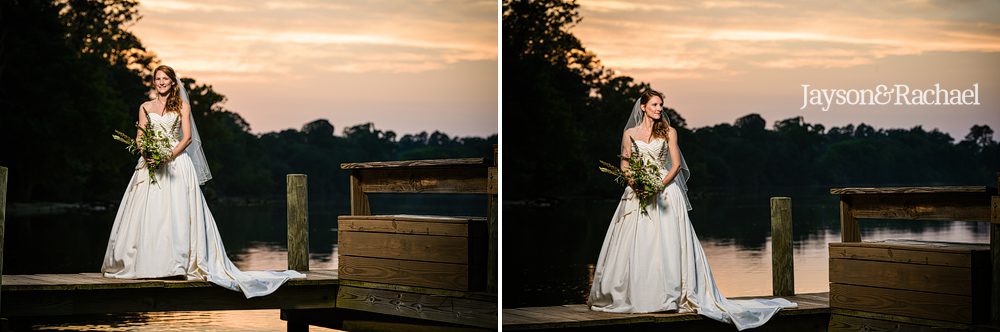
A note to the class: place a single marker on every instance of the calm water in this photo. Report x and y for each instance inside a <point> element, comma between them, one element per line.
<point>551,260</point>
<point>255,239</point>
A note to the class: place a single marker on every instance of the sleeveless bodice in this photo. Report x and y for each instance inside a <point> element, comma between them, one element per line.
<point>651,151</point>
<point>168,123</point>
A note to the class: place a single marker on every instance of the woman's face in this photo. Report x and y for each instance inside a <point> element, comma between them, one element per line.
<point>653,107</point>
<point>162,82</point>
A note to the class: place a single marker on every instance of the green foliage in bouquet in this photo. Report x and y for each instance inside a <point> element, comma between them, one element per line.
<point>643,173</point>
<point>153,146</point>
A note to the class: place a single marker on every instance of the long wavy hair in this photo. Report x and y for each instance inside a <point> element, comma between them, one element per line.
<point>659,126</point>
<point>174,96</point>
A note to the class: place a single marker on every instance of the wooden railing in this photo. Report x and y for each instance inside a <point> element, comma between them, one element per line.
<point>441,176</point>
<point>948,203</point>
<point>407,271</point>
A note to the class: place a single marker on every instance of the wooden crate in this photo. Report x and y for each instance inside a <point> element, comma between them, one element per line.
<point>926,280</point>
<point>420,251</point>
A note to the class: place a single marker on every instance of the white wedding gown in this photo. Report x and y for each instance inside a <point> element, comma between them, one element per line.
<point>654,262</point>
<point>166,229</point>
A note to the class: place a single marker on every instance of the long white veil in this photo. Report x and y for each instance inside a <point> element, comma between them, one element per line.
<point>685,173</point>
<point>194,150</point>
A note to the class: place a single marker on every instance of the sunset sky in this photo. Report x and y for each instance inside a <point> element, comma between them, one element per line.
<point>719,60</point>
<point>407,66</point>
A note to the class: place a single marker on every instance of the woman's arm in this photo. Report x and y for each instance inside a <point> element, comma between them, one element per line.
<point>626,151</point>
<point>675,156</point>
<point>142,122</point>
<point>185,129</point>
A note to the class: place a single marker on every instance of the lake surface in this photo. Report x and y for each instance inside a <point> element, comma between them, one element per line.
<point>254,236</point>
<point>549,252</point>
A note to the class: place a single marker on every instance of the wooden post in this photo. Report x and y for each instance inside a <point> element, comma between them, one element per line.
<point>298,223</point>
<point>782,268</point>
<point>359,200</point>
<point>849,231</point>
<point>491,220</point>
<point>995,251</point>
<point>3,213</point>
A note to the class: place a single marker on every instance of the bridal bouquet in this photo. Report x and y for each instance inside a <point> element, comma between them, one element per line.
<point>153,146</point>
<point>644,174</point>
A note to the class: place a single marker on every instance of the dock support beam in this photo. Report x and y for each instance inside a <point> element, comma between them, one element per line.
<point>782,269</point>
<point>3,213</point>
<point>298,235</point>
<point>298,223</point>
<point>995,251</point>
<point>492,220</point>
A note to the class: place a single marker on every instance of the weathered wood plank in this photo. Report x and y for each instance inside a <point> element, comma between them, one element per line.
<point>537,316</point>
<point>925,278</point>
<point>421,326</point>
<point>898,255</point>
<point>782,270</point>
<point>435,308</point>
<point>100,301</point>
<point>934,306</point>
<point>428,248</point>
<point>467,180</point>
<point>995,254</point>
<point>844,323</point>
<point>562,312</point>
<point>3,217</point>
<point>493,225</point>
<point>480,296</point>
<point>580,316</point>
<point>415,218</point>
<point>415,163</point>
<point>403,272</point>
<point>95,281</point>
<point>346,223</point>
<point>938,325</point>
<point>492,181</point>
<point>908,190</point>
<point>940,206</point>
<point>849,229</point>
<point>298,222</point>
<point>918,245</point>
<point>359,199</point>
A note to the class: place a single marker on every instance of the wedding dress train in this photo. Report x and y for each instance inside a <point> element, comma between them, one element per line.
<point>166,229</point>
<point>654,262</point>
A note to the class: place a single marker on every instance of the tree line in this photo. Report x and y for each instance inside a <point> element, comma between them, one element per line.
<point>567,111</point>
<point>71,73</point>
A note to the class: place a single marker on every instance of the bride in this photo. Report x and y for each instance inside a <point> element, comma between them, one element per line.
<point>164,229</point>
<point>651,260</point>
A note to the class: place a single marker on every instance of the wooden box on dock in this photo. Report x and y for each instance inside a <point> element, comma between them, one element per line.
<point>421,251</point>
<point>938,281</point>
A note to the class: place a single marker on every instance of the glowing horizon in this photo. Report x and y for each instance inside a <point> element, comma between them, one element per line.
<point>407,67</point>
<point>720,60</point>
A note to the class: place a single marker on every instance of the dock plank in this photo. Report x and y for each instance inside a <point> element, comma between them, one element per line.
<point>96,281</point>
<point>579,315</point>
<point>92,293</point>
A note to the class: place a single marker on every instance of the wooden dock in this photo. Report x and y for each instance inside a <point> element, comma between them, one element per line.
<point>91,293</point>
<point>403,272</point>
<point>812,314</point>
